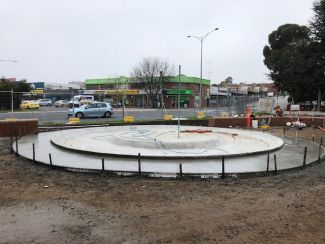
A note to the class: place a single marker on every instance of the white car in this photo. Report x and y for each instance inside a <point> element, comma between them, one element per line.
<point>79,100</point>
<point>44,102</point>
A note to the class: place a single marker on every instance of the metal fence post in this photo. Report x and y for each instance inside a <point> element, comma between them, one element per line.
<point>275,165</point>
<point>180,170</point>
<point>50,157</point>
<point>305,157</point>
<point>139,164</point>
<point>103,164</point>
<point>268,162</point>
<point>320,149</point>
<point>16,145</point>
<point>223,167</point>
<point>11,139</point>
<point>33,152</point>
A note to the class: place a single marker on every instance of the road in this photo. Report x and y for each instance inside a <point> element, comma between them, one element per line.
<point>52,114</point>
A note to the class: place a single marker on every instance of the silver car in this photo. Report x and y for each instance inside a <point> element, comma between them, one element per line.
<point>97,109</point>
<point>61,103</point>
<point>44,102</point>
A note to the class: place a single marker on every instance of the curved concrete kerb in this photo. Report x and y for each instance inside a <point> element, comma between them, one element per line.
<point>162,141</point>
<point>168,156</point>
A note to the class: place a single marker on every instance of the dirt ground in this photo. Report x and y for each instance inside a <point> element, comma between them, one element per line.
<point>39,204</point>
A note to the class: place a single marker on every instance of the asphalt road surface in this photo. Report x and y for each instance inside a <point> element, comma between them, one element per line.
<point>52,114</point>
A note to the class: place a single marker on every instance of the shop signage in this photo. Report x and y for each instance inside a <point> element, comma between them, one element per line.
<point>122,92</point>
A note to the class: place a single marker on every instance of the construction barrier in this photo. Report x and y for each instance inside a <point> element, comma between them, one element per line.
<point>248,117</point>
<point>73,121</point>
<point>200,115</point>
<point>128,119</point>
<point>168,117</point>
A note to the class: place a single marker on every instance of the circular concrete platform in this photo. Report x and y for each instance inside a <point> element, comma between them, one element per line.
<point>255,154</point>
<point>162,141</point>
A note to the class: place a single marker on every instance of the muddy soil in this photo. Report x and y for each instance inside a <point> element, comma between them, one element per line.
<point>43,205</point>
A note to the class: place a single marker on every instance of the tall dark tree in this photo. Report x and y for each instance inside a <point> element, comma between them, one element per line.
<point>287,57</point>
<point>317,26</point>
<point>19,86</point>
<point>296,58</point>
<point>5,97</point>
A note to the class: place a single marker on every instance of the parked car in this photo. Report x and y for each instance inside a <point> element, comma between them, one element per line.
<point>61,103</point>
<point>79,100</point>
<point>96,109</point>
<point>44,102</point>
<point>29,105</point>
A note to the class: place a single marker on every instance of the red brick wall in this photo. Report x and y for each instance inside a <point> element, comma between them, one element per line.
<point>277,121</point>
<point>18,127</point>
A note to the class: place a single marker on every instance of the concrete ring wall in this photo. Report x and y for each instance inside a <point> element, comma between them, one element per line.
<point>291,156</point>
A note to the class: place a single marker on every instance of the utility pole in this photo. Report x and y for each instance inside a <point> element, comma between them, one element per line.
<point>123,107</point>
<point>161,93</point>
<point>210,72</point>
<point>179,99</point>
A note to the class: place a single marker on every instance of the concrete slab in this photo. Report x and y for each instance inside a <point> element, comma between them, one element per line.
<point>158,141</point>
<point>289,156</point>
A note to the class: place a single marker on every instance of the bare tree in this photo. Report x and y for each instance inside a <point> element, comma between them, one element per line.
<point>151,74</point>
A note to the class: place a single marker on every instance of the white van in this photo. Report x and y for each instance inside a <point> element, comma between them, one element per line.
<point>79,100</point>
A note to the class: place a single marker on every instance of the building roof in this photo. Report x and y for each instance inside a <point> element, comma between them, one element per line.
<point>105,81</point>
<point>191,79</point>
<point>126,80</point>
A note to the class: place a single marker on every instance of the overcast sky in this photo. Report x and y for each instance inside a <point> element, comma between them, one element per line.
<point>61,40</point>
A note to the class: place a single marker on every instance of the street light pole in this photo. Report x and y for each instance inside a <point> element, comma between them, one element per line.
<point>201,39</point>
<point>179,100</point>
<point>201,68</point>
<point>8,60</point>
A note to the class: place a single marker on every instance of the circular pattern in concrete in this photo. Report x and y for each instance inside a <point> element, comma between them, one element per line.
<point>162,141</point>
<point>290,155</point>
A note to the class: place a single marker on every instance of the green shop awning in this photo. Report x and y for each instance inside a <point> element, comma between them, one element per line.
<point>175,92</point>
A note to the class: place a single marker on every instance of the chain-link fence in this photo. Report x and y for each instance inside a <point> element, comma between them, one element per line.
<point>52,107</point>
<point>49,107</point>
<point>234,105</point>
